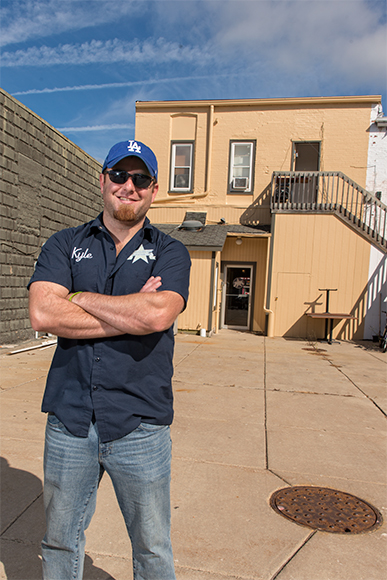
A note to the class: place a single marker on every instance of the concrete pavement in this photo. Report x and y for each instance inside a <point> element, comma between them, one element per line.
<point>252,415</point>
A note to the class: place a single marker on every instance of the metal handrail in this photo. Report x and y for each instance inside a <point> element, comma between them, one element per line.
<point>333,192</point>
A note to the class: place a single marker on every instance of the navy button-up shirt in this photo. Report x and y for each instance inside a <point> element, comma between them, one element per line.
<point>124,379</point>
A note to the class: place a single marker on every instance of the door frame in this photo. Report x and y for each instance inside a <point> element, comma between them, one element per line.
<point>250,310</point>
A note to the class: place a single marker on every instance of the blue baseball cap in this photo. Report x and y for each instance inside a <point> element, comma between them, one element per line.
<point>128,149</point>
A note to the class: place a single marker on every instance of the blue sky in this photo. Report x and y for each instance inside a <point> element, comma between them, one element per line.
<point>82,64</point>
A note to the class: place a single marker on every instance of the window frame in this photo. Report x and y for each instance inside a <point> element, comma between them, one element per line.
<point>250,189</point>
<point>172,188</point>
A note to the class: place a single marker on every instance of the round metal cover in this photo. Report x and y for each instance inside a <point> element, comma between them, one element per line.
<point>328,510</point>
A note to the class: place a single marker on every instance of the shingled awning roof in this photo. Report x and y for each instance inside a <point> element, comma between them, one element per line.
<point>210,237</point>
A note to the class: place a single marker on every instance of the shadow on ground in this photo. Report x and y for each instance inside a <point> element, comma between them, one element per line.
<point>20,552</point>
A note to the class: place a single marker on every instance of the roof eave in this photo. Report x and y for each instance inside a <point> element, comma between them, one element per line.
<point>355,99</point>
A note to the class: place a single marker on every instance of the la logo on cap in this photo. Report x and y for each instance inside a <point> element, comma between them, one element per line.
<point>133,147</point>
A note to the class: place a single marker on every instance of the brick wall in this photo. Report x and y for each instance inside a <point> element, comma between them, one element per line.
<point>47,183</point>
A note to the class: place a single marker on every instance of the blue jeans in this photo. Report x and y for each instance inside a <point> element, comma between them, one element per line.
<point>139,466</point>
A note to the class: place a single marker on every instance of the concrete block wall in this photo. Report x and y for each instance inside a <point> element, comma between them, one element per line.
<point>46,184</point>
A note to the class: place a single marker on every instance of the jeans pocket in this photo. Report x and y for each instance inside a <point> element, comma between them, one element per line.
<point>151,428</point>
<point>54,423</point>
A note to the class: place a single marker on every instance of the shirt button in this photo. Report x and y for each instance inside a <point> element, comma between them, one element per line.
<point>97,359</point>
<point>94,388</point>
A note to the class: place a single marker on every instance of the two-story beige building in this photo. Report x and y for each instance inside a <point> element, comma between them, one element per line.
<point>269,197</point>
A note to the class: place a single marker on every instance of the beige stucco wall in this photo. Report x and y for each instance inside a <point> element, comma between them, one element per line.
<point>324,253</point>
<point>251,251</point>
<point>195,316</point>
<point>310,251</point>
<point>340,124</point>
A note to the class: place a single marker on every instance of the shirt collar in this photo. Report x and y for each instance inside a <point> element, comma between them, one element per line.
<point>97,223</point>
<point>147,228</point>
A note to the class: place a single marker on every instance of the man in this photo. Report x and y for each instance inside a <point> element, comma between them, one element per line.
<point>110,290</point>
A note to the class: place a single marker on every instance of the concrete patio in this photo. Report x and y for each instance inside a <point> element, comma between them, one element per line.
<point>252,415</point>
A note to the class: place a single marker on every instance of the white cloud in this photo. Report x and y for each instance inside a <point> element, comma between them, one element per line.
<point>271,47</point>
<point>23,20</point>
<point>334,39</point>
<point>364,58</point>
<point>150,51</point>
<point>284,37</point>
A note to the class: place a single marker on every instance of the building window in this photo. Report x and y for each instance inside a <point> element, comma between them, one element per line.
<point>182,166</point>
<point>241,173</point>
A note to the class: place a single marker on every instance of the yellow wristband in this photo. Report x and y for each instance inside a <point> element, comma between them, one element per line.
<point>75,293</point>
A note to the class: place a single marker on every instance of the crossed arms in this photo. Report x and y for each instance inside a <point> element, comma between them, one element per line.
<point>91,315</point>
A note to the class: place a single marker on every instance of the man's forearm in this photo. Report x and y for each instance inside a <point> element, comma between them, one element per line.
<point>79,324</point>
<point>52,312</point>
<point>140,314</point>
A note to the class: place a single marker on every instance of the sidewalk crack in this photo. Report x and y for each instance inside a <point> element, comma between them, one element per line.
<point>277,574</point>
<point>361,390</point>
<point>187,355</point>
<point>21,513</point>
<point>265,404</point>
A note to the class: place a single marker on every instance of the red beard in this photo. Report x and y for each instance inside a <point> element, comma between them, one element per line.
<point>125,214</point>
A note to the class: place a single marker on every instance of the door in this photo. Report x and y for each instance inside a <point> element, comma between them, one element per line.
<point>306,157</point>
<point>236,299</point>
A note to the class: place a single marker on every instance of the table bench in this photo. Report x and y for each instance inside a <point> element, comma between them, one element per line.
<point>330,316</point>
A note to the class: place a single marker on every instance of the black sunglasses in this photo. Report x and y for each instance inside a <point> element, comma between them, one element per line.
<point>138,179</point>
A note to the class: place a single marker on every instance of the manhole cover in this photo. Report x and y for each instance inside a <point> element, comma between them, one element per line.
<point>325,509</point>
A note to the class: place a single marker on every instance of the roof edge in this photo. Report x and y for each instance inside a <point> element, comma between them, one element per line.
<point>360,99</point>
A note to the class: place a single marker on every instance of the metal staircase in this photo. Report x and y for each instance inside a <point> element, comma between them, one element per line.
<point>331,192</point>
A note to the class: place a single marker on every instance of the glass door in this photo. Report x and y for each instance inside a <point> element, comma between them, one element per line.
<point>237,297</point>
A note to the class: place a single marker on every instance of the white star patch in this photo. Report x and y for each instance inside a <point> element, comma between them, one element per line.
<point>142,254</point>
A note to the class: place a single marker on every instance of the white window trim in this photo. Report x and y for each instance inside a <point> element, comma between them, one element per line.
<point>248,189</point>
<point>173,166</point>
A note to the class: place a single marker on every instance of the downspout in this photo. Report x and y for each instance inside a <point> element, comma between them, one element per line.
<point>269,322</point>
<point>209,148</point>
<point>268,311</point>
<point>212,286</point>
<point>192,196</point>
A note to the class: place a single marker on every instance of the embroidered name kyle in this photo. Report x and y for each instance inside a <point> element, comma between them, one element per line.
<point>79,255</point>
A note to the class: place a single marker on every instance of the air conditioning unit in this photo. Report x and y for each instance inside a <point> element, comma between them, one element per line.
<point>240,183</point>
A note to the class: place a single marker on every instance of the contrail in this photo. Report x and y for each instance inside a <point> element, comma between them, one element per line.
<point>115,85</point>
<point>93,128</point>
